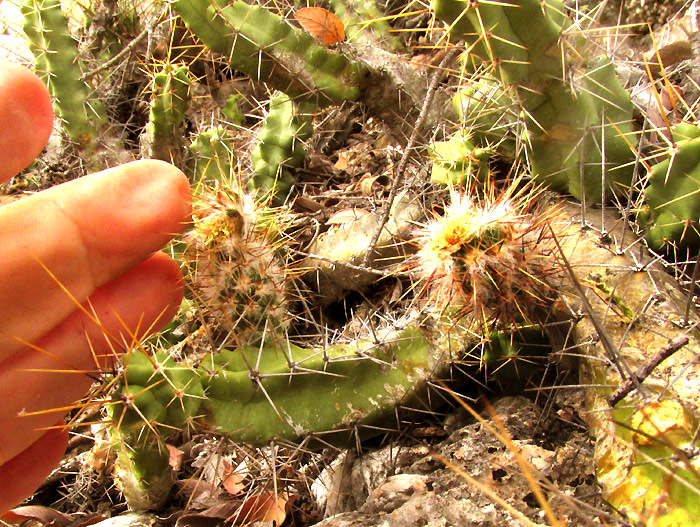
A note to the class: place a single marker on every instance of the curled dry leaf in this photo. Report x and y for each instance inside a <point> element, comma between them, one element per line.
<point>323,25</point>
<point>368,184</point>
<point>232,478</point>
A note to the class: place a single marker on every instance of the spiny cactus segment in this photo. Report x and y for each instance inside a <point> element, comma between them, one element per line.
<point>267,48</point>
<point>486,111</point>
<point>457,161</point>
<point>156,396</point>
<point>170,98</point>
<point>671,212</point>
<point>279,148</point>
<point>57,61</point>
<point>578,115</point>
<point>488,259</point>
<point>212,153</point>
<point>233,265</point>
<point>141,471</point>
<point>257,394</point>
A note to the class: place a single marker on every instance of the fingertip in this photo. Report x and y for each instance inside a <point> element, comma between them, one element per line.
<point>175,187</point>
<point>26,118</point>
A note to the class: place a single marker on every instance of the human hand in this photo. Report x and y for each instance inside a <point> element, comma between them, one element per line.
<point>97,235</point>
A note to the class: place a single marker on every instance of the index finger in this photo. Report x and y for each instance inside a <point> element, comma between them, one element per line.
<point>82,235</point>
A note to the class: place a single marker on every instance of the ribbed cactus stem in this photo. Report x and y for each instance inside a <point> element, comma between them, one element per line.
<point>457,162</point>
<point>671,214</point>
<point>267,48</point>
<point>578,116</point>
<point>257,394</point>
<point>487,112</point>
<point>170,98</point>
<point>157,396</point>
<point>279,148</point>
<point>212,156</point>
<point>141,472</point>
<point>57,61</point>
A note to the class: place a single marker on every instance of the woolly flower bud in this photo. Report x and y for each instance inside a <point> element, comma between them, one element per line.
<point>488,259</point>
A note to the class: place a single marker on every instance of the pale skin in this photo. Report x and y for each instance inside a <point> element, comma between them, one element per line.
<point>99,236</point>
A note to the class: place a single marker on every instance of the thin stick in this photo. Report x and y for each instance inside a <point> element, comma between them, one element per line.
<point>401,167</point>
<point>644,372</point>
<point>608,347</point>
<point>128,48</point>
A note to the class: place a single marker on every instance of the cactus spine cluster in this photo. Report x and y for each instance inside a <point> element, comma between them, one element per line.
<point>578,118</point>
<point>57,61</point>
<point>233,264</point>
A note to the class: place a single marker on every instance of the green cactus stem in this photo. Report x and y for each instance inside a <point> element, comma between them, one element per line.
<point>212,157</point>
<point>456,161</point>
<point>157,397</point>
<point>279,148</point>
<point>170,98</point>
<point>268,49</point>
<point>485,109</point>
<point>322,391</point>
<point>141,472</point>
<point>257,394</point>
<point>671,212</point>
<point>57,61</point>
<point>574,107</point>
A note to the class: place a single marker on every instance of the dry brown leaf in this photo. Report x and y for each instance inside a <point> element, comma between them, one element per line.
<point>342,162</point>
<point>232,478</point>
<point>44,515</point>
<point>263,507</point>
<point>175,456</point>
<point>322,24</point>
<point>669,55</point>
